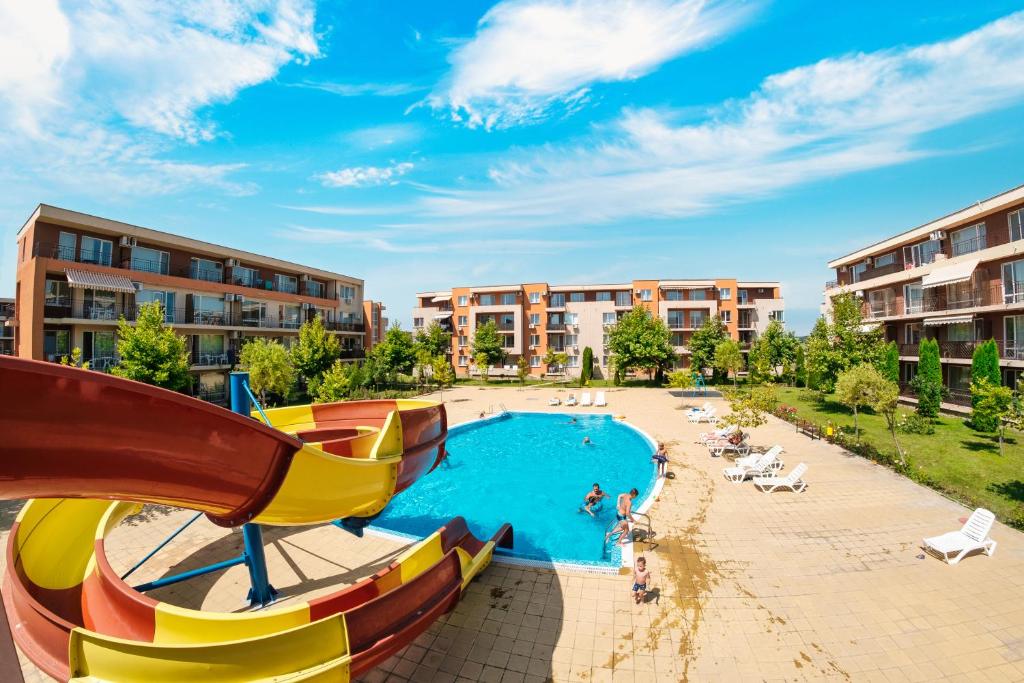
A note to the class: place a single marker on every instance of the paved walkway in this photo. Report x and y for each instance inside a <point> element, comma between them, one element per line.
<point>827,584</point>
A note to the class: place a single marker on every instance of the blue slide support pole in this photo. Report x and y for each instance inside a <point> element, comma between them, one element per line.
<point>191,574</point>
<point>260,591</point>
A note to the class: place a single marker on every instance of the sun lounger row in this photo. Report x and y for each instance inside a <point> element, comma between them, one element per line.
<point>585,400</point>
<point>706,413</point>
<point>764,469</point>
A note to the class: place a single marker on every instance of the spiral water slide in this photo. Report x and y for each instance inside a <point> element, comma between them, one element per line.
<point>87,449</point>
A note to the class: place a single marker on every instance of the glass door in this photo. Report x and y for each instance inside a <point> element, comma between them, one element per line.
<point>1013,282</point>
<point>1013,337</point>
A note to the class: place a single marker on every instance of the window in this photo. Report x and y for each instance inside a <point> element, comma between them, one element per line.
<point>573,362</point>
<point>677,339</point>
<point>463,361</point>
<point>165,299</point>
<point>571,339</point>
<point>535,318</point>
<point>247,277</point>
<point>207,310</point>
<point>673,295</point>
<point>534,297</point>
<point>463,340</point>
<point>254,314</point>
<point>968,240</point>
<point>572,318</point>
<point>66,246</point>
<point>885,259</point>
<point>57,293</point>
<point>463,320</point>
<point>912,334</point>
<point>210,347</point>
<point>645,295</point>
<point>623,299</point>
<point>604,296</point>
<point>676,319</point>
<point>696,318</point>
<point>604,361</point>
<point>913,298</point>
<point>463,300</point>
<point>1013,282</point>
<point>1016,219</point>
<point>347,292</point>
<point>486,300</point>
<point>959,377</point>
<point>292,317</point>
<point>776,316</point>
<point>103,347</point>
<point>56,343</point>
<point>507,341</point>
<point>742,297</point>
<point>726,316</point>
<point>577,297</point>
<point>417,322</point>
<point>534,361</point>
<point>858,270</point>
<point>608,318</point>
<point>150,260</point>
<point>95,250</point>
<point>507,322</point>
<point>205,269</point>
<point>508,299</point>
<point>724,293</point>
<point>100,304</point>
<point>604,339</point>
<point>921,253</point>
<point>286,283</point>
<point>1013,337</point>
<point>555,320</point>
<point>700,294</point>
<point>960,332</point>
<point>534,340</point>
<point>315,288</point>
<point>556,300</point>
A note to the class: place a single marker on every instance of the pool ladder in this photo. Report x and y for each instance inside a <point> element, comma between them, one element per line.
<point>643,525</point>
<point>492,411</point>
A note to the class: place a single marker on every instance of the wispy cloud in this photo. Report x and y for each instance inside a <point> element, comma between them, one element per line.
<point>837,116</point>
<point>361,89</point>
<point>392,241</point>
<point>384,135</point>
<point>364,176</point>
<point>531,56</point>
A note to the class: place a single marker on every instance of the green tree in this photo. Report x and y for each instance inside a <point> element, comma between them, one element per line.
<point>555,358</point>
<point>834,346</point>
<point>334,384</point>
<point>992,403</point>
<point>444,373</point>
<point>75,359</point>
<point>704,341</point>
<point>315,352</point>
<point>799,367</point>
<point>151,352</point>
<point>858,388</point>
<point>885,402</point>
<point>269,366</point>
<point>728,358</point>
<point>522,370</point>
<point>487,341</point>
<point>640,341</point>
<point>483,365</point>
<point>748,410</point>
<point>984,371</point>
<point>435,340</point>
<point>682,380</point>
<point>928,382</point>
<point>889,363</point>
<point>587,370</point>
<point>395,354</point>
<point>774,348</point>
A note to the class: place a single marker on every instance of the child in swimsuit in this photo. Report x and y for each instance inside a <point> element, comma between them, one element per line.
<point>640,578</point>
<point>661,457</point>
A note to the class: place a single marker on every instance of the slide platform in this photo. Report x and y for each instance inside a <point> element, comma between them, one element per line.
<point>88,448</point>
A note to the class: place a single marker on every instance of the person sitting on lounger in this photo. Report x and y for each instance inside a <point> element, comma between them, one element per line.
<point>593,497</point>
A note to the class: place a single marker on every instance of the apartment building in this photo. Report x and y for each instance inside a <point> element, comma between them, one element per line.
<point>77,275</point>
<point>6,327</point>
<point>958,279</point>
<point>534,317</point>
<point>376,323</point>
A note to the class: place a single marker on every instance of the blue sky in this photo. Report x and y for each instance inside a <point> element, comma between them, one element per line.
<point>421,145</point>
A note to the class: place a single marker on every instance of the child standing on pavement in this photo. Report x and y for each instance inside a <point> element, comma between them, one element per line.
<point>641,576</point>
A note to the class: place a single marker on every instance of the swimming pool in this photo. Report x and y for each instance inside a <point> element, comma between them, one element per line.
<point>530,469</point>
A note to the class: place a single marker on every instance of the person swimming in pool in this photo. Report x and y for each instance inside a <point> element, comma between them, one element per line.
<point>593,497</point>
<point>587,441</point>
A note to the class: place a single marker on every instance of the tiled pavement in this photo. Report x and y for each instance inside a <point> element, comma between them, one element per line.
<point>827,584</point>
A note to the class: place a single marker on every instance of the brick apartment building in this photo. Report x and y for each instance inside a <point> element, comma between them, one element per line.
<point>534,317</point>
<point>77,275</point>
<point>958,279</point>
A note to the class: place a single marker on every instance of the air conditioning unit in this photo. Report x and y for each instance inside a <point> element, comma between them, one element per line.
<point>306,306</point>
<point>239,297</point>
<point>231,263</point>
<point>937,235</point>
<point>128,241</point>
<point>348,301</point>
<point>842,269</point>
<point>138,286</point>
<point>237,334</point>
<point>306,278</point>
<point>229,297</point>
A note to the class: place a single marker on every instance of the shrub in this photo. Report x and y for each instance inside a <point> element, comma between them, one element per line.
<point>915,424</point>
<point>928,382</point>
<point>587,371</point>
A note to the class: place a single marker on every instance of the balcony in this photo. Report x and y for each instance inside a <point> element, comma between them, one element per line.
<point>962,350</point>
<point>352,354</point>
<point>336,326</point>
<point>558,327</point>
<point>217,394</point>
<point>970,246</point>
<point>214,359</point>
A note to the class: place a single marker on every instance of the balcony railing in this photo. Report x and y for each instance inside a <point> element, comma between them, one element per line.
<point>959,397</point>
<point>555,327</point>
<point>214,358</point>
<point>212,394</point>
<point>353,354</point>
<point>965,349</point>
<point>969,246</point>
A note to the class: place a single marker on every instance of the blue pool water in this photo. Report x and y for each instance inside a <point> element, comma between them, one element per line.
<point>532,470</point>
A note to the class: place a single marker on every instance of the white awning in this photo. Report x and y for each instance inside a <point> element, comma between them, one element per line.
<point>443,298</point>
<point>85,279</point>
<point>442,316</point>
<point>948,275</point>
<point>949,320</point>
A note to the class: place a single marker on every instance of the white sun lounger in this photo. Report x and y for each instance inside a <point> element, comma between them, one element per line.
<point>585,399</point>
<point>554,401</point>
<point>702,415</point>
<point>754,457</point>
<point>571,401</point>
<point>724,446</point>
<point>973,536</point>
<point>764,464</point>
<point>791,481</point>
<point>705,437</point>
<point>599,400</point>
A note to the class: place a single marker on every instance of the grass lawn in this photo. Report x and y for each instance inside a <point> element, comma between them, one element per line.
<point>955,459</point>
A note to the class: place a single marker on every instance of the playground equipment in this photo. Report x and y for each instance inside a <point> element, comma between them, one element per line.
<point>88,448</point>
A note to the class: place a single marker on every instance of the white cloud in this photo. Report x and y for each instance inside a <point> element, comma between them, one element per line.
<point>834,117</point>
<point>35,41</point>
<point>360,89</point>
<point>393,241</point>
<point>384,135</point>
<point>363,176</point>
<point>529,56</point>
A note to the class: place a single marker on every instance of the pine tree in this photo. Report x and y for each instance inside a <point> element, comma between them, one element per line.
<point>587,371</point>
<point>984,376</point>
<point>889,365</point>
<point>928,382</point>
